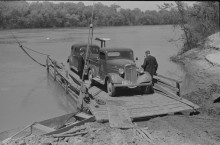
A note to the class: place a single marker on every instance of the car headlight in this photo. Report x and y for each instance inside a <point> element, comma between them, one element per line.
<point>121,71</point>
<point>141,70</point>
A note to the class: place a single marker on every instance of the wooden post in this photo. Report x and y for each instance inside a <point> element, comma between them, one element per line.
<point>178,87</point>
<point>47,63</point>
<point>66,86</point>
<point>55,70</point>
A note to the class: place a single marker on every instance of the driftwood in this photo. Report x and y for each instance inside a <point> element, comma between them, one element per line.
<point>147,133</point>
<point>69,135</point>
<point>70,132</point>
<point>143,135</point>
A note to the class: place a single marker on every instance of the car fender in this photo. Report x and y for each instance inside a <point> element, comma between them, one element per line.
<point>115,78</point>
<point>145,77</point>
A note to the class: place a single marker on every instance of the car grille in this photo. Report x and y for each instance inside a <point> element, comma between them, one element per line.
<point>131,73</point>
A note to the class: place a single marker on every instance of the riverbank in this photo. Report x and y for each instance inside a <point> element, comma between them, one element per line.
<point>202,81</point>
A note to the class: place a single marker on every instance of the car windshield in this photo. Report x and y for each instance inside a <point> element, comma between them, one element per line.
<point>120,55</point>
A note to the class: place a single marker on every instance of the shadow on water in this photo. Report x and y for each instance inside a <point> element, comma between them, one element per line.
<point>64,100</point>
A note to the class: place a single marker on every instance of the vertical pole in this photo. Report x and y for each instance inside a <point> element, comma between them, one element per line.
<point>66,86</point>
<point>101,44</point>
<point>47,63</point>
<point>178,87</point>
<point>55,70</point>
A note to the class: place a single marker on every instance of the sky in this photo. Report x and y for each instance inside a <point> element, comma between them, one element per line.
<point>143,5</point>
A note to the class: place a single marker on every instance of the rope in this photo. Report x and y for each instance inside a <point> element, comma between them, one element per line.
<point>32,57</point>
<point>35,51</point>
<point>22,48</point>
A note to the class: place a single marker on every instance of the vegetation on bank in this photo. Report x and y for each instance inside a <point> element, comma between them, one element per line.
<point>21,14</point>
<point>197,22</point>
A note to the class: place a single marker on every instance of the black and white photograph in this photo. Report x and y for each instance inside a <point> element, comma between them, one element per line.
<point>109,72</point>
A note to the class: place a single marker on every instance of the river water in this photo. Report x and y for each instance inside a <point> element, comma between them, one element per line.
<point>28,95</point>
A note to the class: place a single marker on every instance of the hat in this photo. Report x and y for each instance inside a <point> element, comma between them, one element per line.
<point>147,51</point>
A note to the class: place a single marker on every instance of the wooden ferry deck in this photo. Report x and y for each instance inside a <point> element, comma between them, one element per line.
<point>124,106</point>
<point>138,106</point>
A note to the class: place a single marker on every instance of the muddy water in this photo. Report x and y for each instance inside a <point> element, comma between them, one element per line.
<point>26,92</point>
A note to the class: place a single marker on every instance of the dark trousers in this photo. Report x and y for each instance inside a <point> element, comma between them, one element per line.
<point>80,74</point>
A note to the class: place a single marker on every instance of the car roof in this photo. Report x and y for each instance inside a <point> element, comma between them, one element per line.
<point>83,45</point>
<point>108,49</point>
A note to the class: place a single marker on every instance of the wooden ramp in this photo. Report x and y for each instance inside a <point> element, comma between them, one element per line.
<point>138,106</point>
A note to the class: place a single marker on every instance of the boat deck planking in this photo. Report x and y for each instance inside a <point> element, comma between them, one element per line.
<point>137,106</point>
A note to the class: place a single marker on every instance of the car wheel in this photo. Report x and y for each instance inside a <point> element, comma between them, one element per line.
<point>147,89</point>
<point>90,78</point>
<point>110,88</point>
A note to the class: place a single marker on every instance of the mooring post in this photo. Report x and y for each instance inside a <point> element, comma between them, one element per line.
<point>47,63</point>
<point>55,70</point>
<point>178,87</point>
<point>66,86</point>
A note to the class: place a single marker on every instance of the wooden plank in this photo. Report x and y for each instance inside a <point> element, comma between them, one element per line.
<point>43,128</point>
<point>119,117</point>
<point>83,115</point>
<point>145,112</point>
<point>167,85</point>
<point>102,116</point>
<point>158,76</point>
<point>177,98</point>
<point>71,126</point>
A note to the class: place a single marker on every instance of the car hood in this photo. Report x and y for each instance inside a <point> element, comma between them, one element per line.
<point>120,62</point>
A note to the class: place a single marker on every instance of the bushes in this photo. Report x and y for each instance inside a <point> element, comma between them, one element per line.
<point>197,22</point>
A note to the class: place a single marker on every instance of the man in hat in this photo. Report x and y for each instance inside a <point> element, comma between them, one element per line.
<point>81,63</point>
<point>150,63</point>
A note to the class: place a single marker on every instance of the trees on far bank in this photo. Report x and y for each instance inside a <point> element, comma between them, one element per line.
<point>21,14</point>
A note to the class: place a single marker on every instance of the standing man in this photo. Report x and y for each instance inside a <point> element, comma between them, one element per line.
<point>150,64</point>
<point>81,63</point>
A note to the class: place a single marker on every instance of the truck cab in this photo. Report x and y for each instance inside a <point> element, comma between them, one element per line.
<point>115,68</point>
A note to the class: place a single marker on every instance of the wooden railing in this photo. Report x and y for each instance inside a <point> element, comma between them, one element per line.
<point>157,79</point>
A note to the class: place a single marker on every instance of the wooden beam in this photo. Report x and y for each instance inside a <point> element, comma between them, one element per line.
<point>119,117</point>
<point>158,76</point>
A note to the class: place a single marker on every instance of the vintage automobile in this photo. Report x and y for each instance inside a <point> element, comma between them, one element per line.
<point>116,68</point>
<point>73,59</point>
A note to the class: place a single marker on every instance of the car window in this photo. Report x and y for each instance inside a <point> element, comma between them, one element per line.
<point>82,49</point>
<point>72,50</point>
<point>120,55</point>
<point>94,50</point>
<point>102,55</point>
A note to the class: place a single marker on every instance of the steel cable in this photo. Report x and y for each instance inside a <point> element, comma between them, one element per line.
<point>23,48</point>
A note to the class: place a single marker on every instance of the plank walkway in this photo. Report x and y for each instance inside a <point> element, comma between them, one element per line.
<point>120,111</point>
<point>138,106</point>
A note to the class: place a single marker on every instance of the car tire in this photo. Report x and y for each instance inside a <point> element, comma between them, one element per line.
<point>90,78</point>
<point>147,89</point>
<point>110,88</point>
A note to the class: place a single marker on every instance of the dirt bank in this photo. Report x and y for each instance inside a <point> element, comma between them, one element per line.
<point>202,81</point>
<point>166,130</point>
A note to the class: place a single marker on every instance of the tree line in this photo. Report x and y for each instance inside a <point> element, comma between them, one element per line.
<point>197,22</point>
<point>21,14</point>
